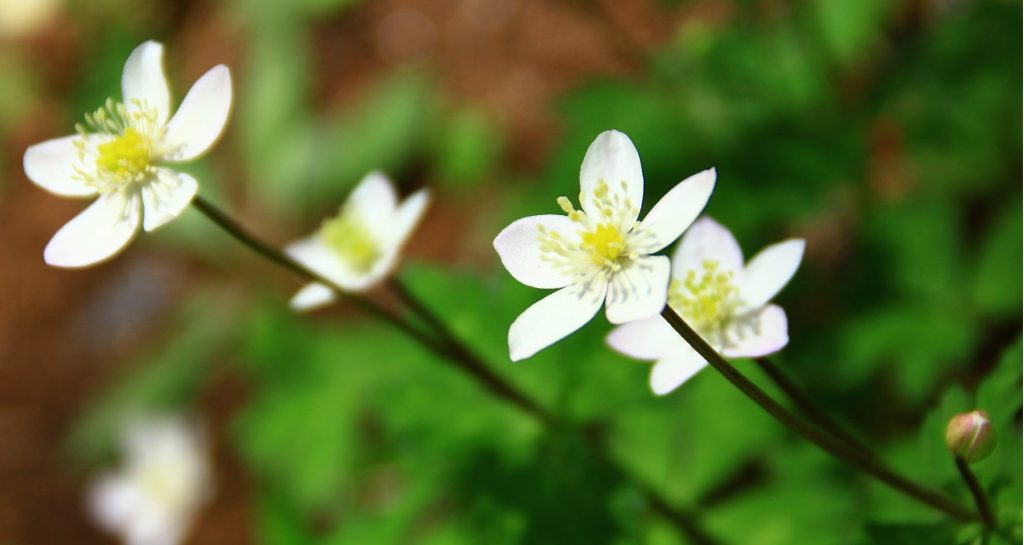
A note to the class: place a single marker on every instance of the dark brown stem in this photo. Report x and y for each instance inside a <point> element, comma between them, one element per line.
<point>977,491</point>
<point>810,409</point>
<point>823,440</point>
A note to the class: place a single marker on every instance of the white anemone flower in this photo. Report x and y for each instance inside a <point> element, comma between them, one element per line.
<point>361,245</point>
<point>720,298</point>
<point>122,154</point>
<point>164,481</point>
<point>600,254</point>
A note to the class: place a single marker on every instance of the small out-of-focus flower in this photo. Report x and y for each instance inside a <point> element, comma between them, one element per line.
<point>120,155</point>
<point>600,254</point>
<point>361,245</point>
<point>723,300</point>
<point>19,18</point>
<point>164,480</point>
<point>971,436</point>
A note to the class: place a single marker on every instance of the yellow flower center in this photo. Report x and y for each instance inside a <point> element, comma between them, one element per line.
<point>350,238</point>
<point>126,157</point>
<point>603,237</point>
<point>707,300</point>
<point>129,156</point>
<point>167,482</point>
<point>605,243</point>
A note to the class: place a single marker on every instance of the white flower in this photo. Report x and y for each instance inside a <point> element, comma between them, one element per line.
<point>120,153</point>
<point>600,254</point>
<point>725,302</point>
<point>359,247</point>
<point>165,479</point>
<point>21,18</point>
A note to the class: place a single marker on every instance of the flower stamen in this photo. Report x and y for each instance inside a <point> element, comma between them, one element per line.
<point>707,300</point>
<point>351,240</point>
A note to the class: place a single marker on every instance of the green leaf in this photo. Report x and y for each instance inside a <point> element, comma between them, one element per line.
<point>996,283</point>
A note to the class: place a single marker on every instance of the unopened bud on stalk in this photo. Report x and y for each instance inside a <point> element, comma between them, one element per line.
<point>970,436</point>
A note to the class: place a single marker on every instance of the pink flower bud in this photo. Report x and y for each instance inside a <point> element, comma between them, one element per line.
<point>971,436</point>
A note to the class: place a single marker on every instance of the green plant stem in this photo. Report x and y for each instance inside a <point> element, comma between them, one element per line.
<point>278,257</point>
<point>451,350</point>
<point>980,500</point>
<point>823,440</point>
<point>810,409</point>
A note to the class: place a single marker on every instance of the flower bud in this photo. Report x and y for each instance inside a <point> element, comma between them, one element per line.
<point>970,436</point>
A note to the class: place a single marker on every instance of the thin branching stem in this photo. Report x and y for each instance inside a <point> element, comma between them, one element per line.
<point>810,409</point>
<point>823,440</point>
<point>450,349</point>
<point>980,500</point>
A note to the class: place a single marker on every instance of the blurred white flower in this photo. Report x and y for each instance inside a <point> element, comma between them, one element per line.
<point>600,254</point>
<point>20,18</point>
<point>725,302</point>
<point>165,479</point>
<point>120,153</point>
<point>360,246</point>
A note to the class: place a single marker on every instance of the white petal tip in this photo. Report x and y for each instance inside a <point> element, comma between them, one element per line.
<point>311,297</point>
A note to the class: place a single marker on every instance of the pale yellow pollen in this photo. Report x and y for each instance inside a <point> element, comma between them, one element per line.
<point>126,157</point>
<point>707,300</point>
<point>130,156</point>
<point>602,239</point>
<point>351,240</point>
<point>605,243</point>
<point>165,483</point>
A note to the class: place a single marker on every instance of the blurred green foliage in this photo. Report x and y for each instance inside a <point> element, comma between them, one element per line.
<point>889,139</point>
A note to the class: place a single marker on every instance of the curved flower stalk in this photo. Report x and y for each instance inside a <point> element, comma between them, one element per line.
<point>723,300</point>
<point>165,480</point>
<point>123,154</point>
<point>600,254</point>
<point>361,245</point>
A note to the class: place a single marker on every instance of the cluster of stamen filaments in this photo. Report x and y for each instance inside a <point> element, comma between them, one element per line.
<point>603,246</point>
<point>351,240</point>
<point>128,158</point>
<point>708,299</point>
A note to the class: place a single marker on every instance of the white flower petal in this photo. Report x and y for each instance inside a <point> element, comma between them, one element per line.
<point>770,270</point>
<point>707,240</point>
<point>201,117</point>
<point>313,253</point>
<point>552,319</point>
<point>639,290</point>
<point>408,216</point>
<point>612,158</point>
<point>676,211</point>
<point>672,371</point>
<point>97,233</point>
<point>51,166</point>
<point>518,245</point>
<point>402,225</point>
<point>114,501</point>
<point>166,197</point>
<point>374,197</point>
<point>647,339</point>
<point>144,83</point>
<point>760,334</point>
<point>156,526</point>
<point>312,296</point>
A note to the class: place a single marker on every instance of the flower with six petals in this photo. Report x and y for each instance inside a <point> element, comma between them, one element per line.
<point>122,155</point>
<point>360,246</point>
<point>600,254</point>
<point>723,300</point>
